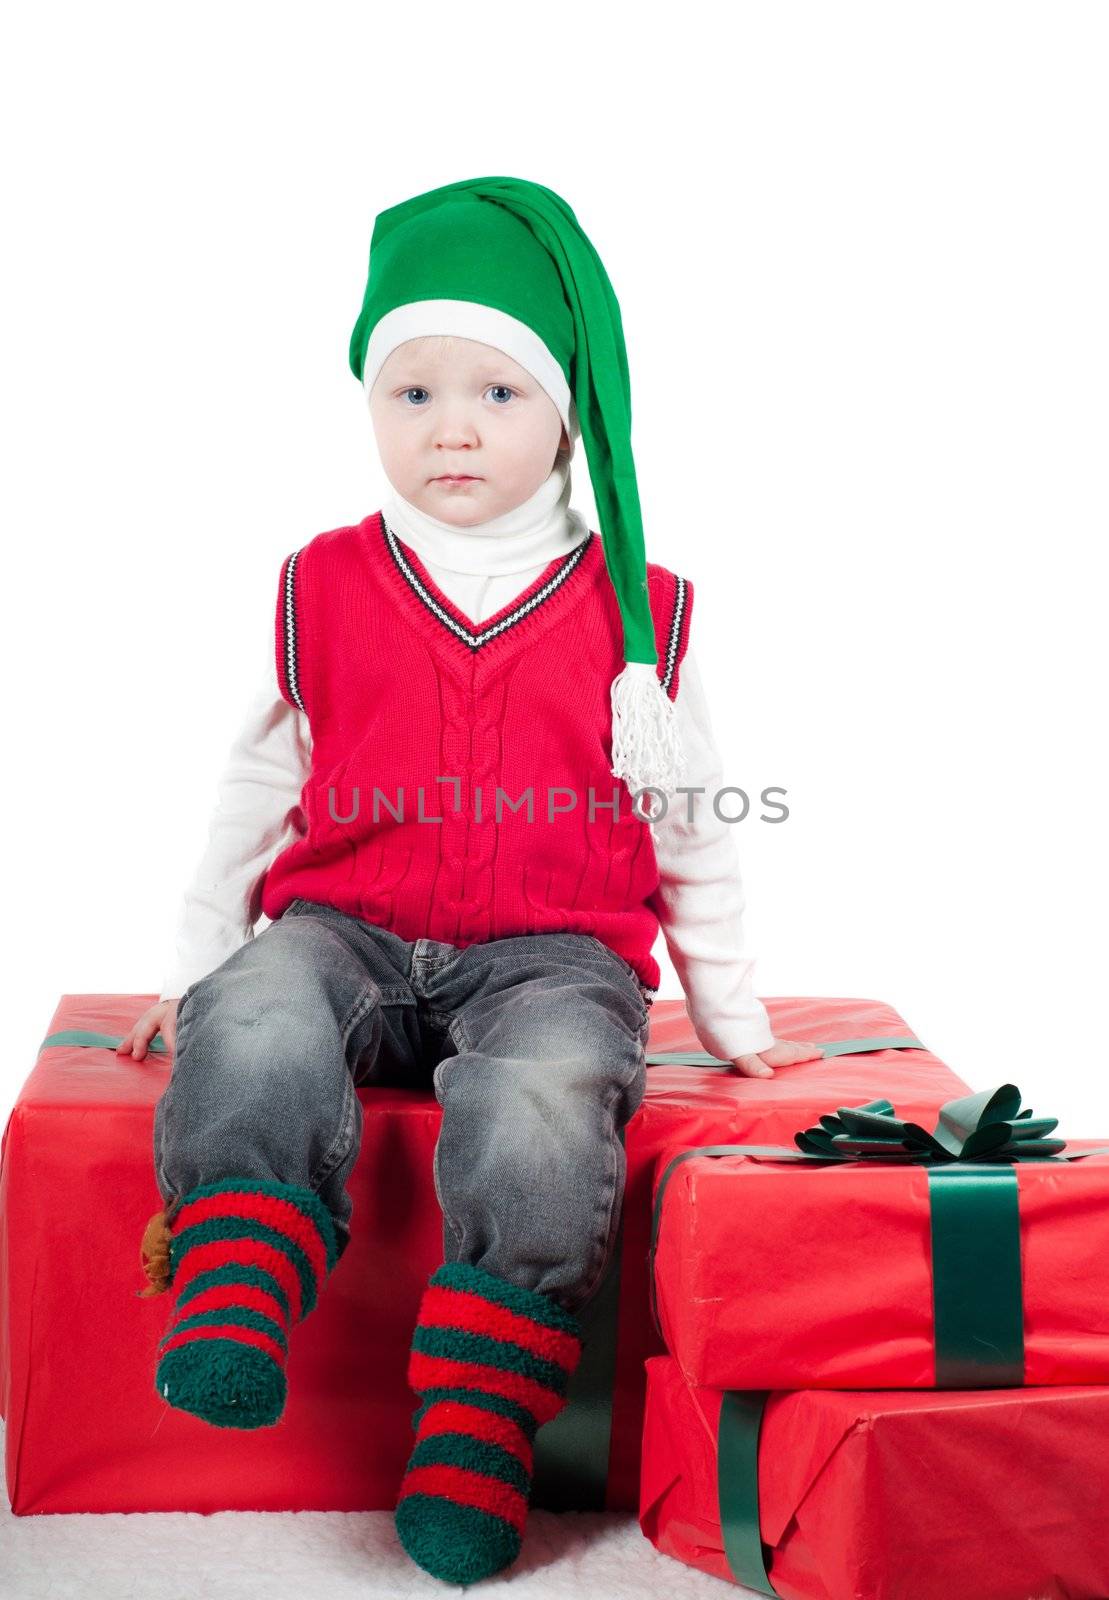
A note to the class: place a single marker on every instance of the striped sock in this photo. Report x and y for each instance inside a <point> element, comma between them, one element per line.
<point>492,1362</point>
<point>248,1258</point>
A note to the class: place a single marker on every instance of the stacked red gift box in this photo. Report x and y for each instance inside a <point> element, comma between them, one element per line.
<point>795,1411</point>
<point>887,1374</point>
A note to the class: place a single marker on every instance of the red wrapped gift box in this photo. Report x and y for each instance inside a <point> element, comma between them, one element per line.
<point>819,1494</point>
<point>875,1273</point>
<point>86,1430</point>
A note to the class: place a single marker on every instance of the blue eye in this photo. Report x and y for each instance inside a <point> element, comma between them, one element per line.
<point>494,388</point>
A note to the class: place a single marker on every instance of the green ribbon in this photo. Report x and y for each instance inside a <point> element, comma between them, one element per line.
<point>737,1486</point>
<point>673,1058</point>
<point>571,1452</point>
<point>829,1047</point>
<point>970,1159</point>
<point>106,1041</point>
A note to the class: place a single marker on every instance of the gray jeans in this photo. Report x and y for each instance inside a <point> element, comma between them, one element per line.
<point>535,1047</point>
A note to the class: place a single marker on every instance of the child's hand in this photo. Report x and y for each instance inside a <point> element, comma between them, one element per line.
<point>782,1053</point>
<point>161,1018</point>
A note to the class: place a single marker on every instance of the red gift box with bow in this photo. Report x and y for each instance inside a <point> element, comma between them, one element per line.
<point>873,1252</point>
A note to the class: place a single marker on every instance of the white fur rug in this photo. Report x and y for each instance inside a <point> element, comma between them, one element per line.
<point>233,1555</point>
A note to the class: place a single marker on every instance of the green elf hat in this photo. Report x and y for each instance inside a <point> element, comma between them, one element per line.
<point>506,261</point>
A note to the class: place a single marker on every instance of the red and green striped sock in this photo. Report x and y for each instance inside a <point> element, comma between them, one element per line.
<point>492,1361</point>
<point>248,1258</point>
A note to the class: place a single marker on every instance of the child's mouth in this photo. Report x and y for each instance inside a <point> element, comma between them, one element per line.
<point>460,477</point>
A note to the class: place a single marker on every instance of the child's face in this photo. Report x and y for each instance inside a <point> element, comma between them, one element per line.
<point>450,405</point>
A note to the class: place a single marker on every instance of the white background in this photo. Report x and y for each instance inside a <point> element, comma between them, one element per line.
<point>861,254</point>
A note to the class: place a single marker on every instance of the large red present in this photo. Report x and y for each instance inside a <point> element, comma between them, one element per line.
<point>86,1430</point>
<point>907,1494</point>
<point>875,1253</point>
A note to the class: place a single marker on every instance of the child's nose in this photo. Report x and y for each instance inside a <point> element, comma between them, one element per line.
<point>456,429</point>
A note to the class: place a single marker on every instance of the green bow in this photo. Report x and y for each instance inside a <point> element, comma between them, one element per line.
<point>978,1127</point>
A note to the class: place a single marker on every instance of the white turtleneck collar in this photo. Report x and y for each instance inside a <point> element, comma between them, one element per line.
<point>543,528</point>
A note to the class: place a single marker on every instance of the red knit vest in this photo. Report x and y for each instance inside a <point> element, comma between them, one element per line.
<point>403,692</point>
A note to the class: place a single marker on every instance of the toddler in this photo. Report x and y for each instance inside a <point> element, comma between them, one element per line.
<point>436,802</point>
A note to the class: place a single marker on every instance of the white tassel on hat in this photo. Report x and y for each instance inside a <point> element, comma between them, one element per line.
<point>646,746</point>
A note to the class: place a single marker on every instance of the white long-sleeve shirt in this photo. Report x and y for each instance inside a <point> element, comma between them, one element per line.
<point>699,901</point>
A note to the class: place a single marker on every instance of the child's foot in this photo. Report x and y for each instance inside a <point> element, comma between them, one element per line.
<point>247,1258</point>
<point>492,1361</point>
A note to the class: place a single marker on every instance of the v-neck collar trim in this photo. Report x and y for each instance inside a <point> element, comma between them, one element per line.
<point>454,621</point>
